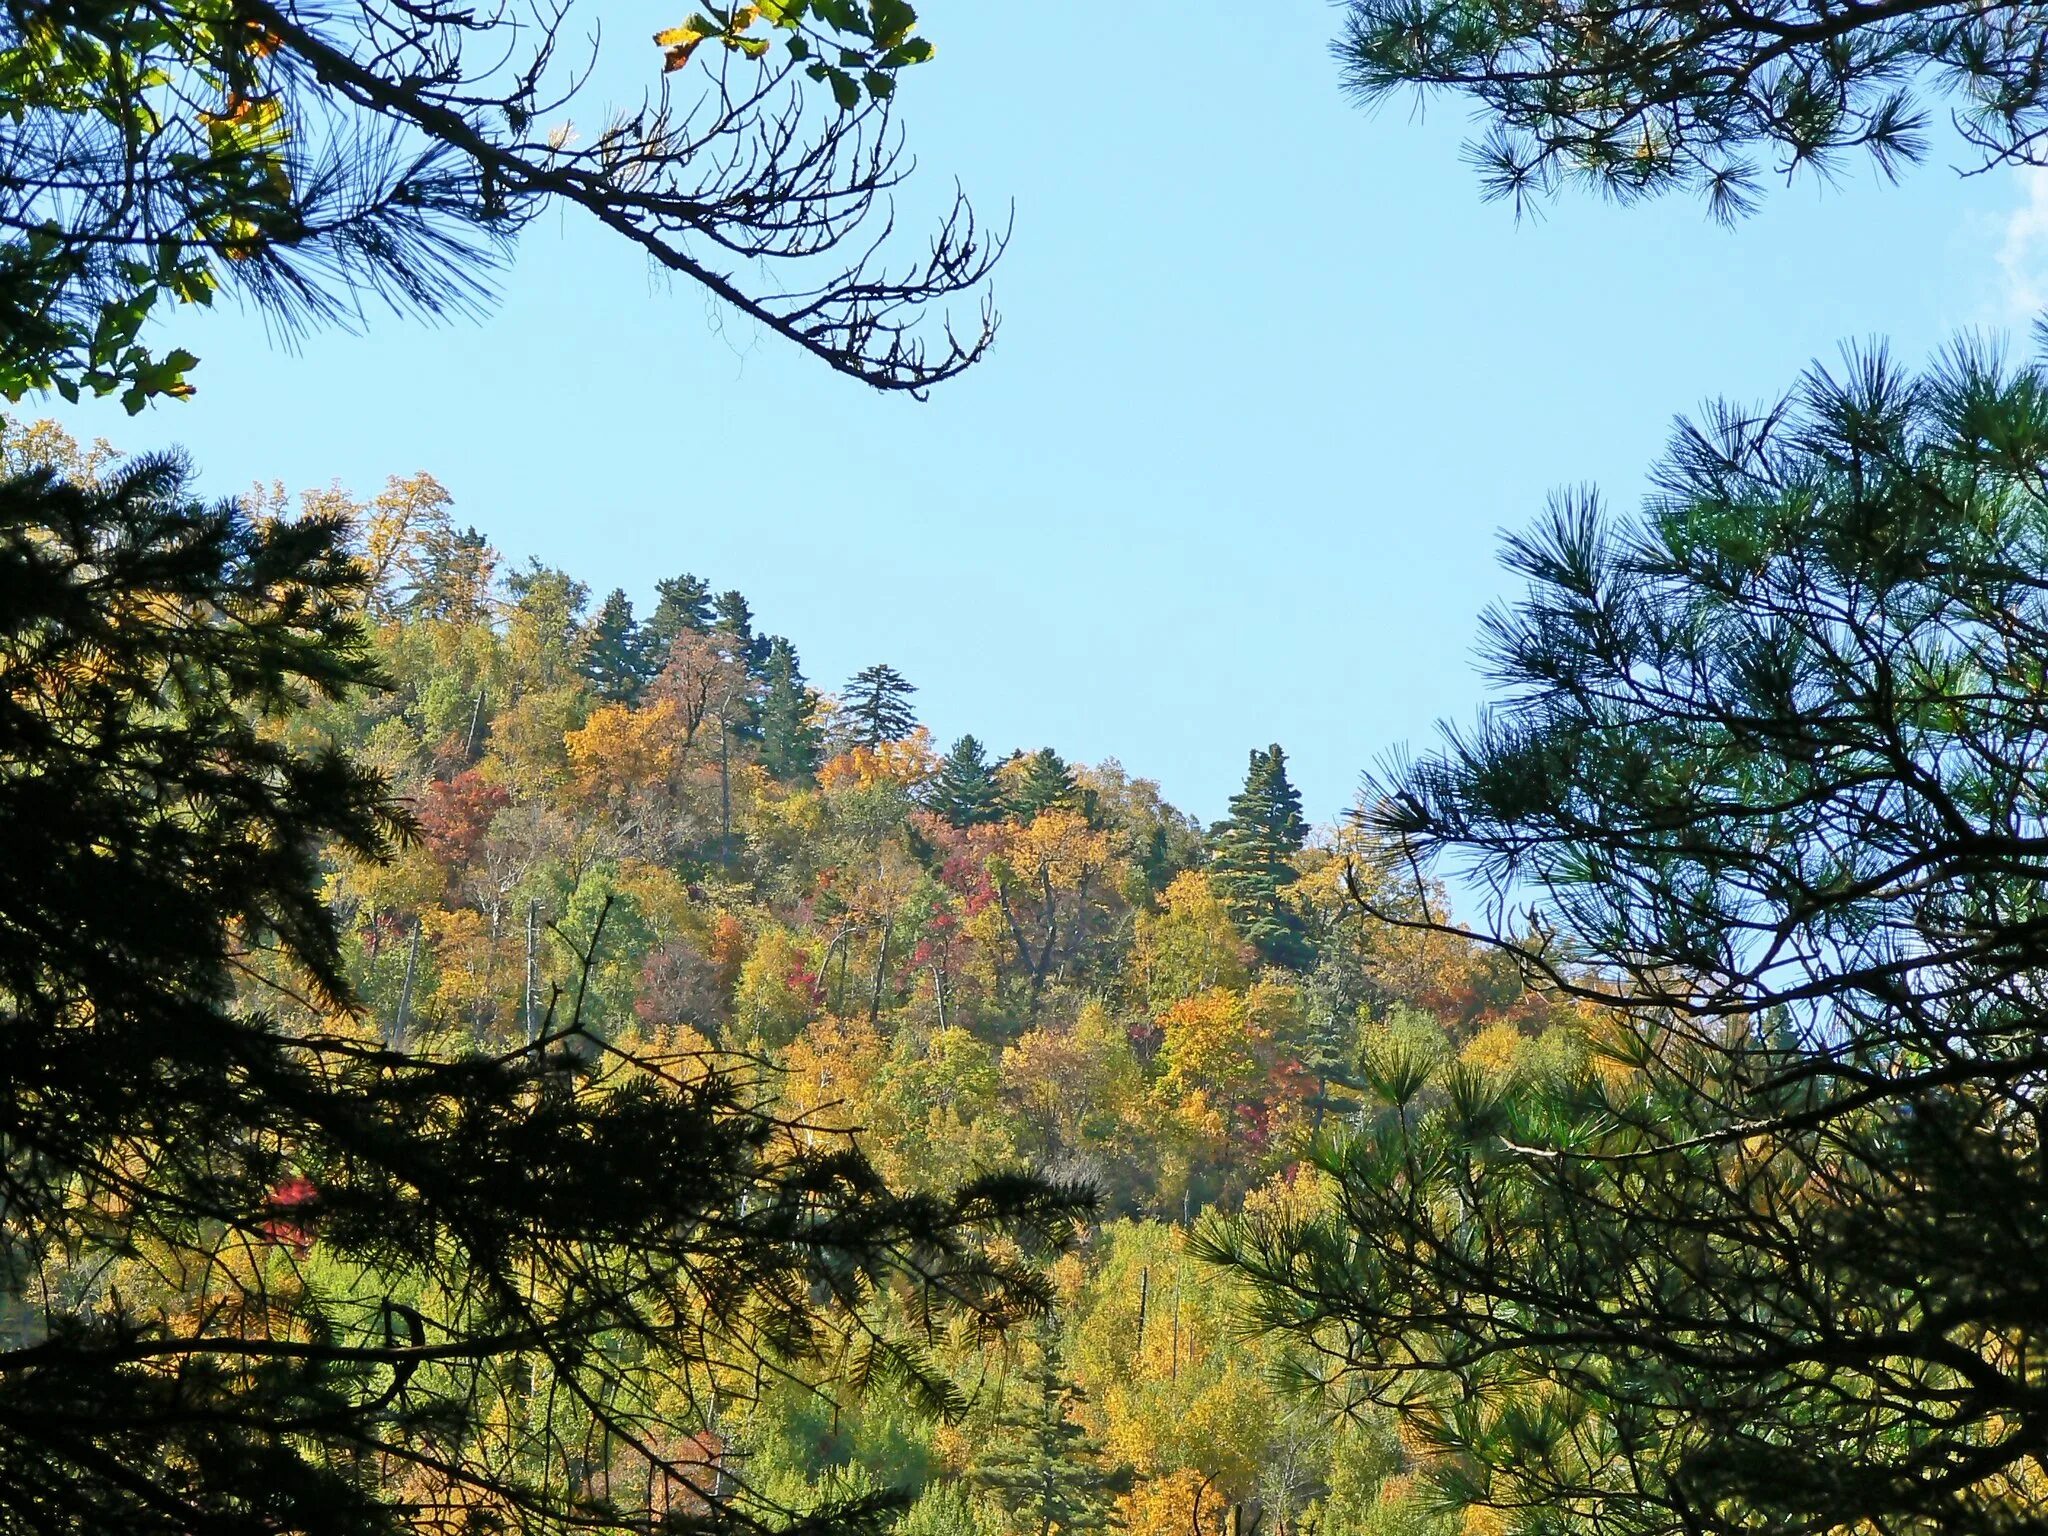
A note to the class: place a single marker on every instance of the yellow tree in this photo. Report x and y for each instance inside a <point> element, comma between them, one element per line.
<point>1044,877</point>
<point>1189,946</point>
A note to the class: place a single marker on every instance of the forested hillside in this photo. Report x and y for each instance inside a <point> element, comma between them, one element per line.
<point>657,829</point>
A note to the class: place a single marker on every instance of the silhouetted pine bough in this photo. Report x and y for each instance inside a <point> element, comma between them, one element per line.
<point>1764,789</point>
<point>322,159</point>
<point>262,1271</point>
<point>1637,97</point>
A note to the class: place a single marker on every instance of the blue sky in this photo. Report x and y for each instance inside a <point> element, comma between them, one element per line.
<point>1271,379</point>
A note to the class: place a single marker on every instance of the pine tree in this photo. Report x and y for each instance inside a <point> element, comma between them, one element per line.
<point>682,606</point>
<point>791,743</point>
<point>1763,779</point>
<point>617,659</point>
<point>733,618</point>
<point>1254,848</point>
<point>966,792</point>
<point>877,702</point>
<point>1043,781</point>
<point>1045,1470</point>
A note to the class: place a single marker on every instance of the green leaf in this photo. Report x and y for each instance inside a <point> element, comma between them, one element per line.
<point>844,90</point>
<point>880,86</point>
<point>891,20</point>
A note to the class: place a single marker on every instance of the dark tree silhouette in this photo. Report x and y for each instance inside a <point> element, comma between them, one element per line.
<point>878,705</point>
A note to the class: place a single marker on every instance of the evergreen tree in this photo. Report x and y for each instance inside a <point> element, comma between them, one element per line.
<point>792,746</point>
<point>189,1098</point>
<point>966,792</point>
<point>682,606</point>
<point>617,660</point>
<point>733,618</point>
<point>877,702</point>
<point>1254,848</point>
<point>1043,780</point>
<point>1763,797</point>
<point>1045,1470</point>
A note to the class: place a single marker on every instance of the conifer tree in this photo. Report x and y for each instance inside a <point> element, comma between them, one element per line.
<point>791,743</point>
<point>733,618</point>
<point>682,606</point>
<point>1043,781</point>
<point>966,792</point>
<point>1045,1470</point>
<point>877,702</point>
<point>1762,794</point>
<point>1254,849</point>
<point>616,656</point>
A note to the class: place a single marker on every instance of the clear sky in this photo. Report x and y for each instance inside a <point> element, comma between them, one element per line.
<point>1271,379</point>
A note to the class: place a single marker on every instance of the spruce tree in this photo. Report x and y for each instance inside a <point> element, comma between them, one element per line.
<point>1043,781</point>
<point>877,702</point>
<point>1045,1470</point>
<point>616,656</point>
<point>792,746</point>
<point>733,618</point>
<point>682,606</point>
<point>1254,848</point>
<point>965,791</point>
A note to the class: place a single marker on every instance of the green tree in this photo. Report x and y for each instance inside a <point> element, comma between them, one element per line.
<point>877,704</point>
<point>310,159</point>
<point>544,622</point>
<point>455,569</point>
<point>1763,794</point>
<point>1042,781</point>
<point>616,657</point>
<point>1253,862</point>
<point>682,606</point>
<point>732,617</point>
<point>1044,1469</point>
<point>792,745</point>
<point>255,1260</point>
<point>965,791</point>
<point>1642,98</point>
